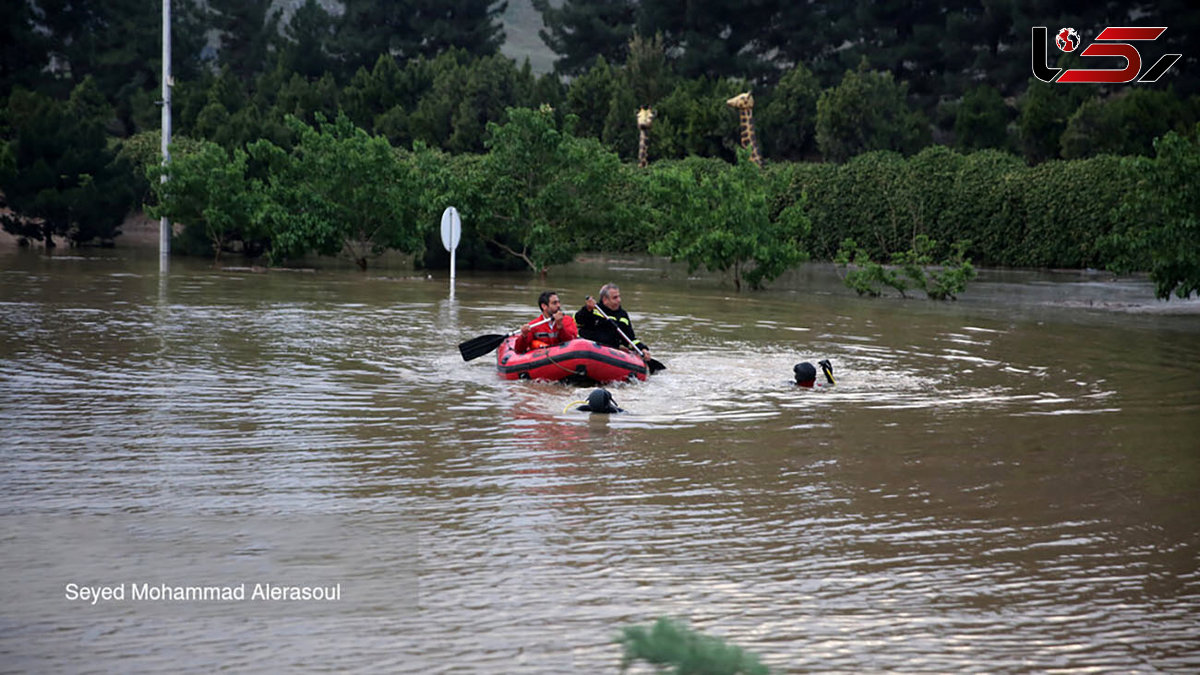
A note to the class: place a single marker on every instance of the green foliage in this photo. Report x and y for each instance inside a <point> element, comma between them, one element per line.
<point>144,150</point>
<point>590,96</point>
<point>868,111</point>
<point>418,28</point>
<point>721,221</point>
<point>64,178</point>
<point>788,119</point>
<point>492,85</point>
<point>116,42</point>
<point>424,74</point>
<point>1161,223</point>
<point>385,91</point>
<point>580,31</point>
<point>249,31</point>
<point>1051,215</point>
<point>980,208</point>
<point>1057,212</point>
<point>457,180</point>
<point>694,120</point>
<point>463,97</point>
<point>941,283</point>
<point>713,40</point>
<point>952,276</point>
<point>308,101</point>
<point>307,44</point>
<point>647,70</point>
<point>338,191</point>
<point>539,187</point>
<point>863,275</point>
<point>619,134</point>
<point>981,120</point>
<point>24,51</point>
<point>913,268</point>
<point>1126,124</point>
<point>208,191</point>
<point>669,644</point>
<point>1044,111</point>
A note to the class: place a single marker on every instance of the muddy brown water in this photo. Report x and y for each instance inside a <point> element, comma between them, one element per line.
<point>1008,483</point>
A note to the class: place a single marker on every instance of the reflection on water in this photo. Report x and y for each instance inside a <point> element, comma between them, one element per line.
<point>1009,480</point>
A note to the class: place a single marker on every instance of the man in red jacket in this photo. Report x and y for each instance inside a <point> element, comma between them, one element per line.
<point>549,329</point>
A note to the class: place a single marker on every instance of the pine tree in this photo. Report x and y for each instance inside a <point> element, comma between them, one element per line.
<point>249,32</point>
<point>307,40</point>
<point>580,31</point>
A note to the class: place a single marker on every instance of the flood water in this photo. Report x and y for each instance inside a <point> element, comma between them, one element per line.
<point>1007,483</point>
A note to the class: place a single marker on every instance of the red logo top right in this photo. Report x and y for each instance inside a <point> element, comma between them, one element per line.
<point>1113,41</point>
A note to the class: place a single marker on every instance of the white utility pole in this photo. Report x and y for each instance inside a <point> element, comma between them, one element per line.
<point>164,226</point>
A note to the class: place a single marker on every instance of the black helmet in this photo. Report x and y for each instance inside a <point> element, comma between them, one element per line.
<point>806,373</point>
<point>600,401</point>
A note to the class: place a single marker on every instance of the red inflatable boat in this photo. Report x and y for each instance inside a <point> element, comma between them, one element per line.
<point>581,359</point>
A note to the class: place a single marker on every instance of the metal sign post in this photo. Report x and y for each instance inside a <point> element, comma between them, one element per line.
<point>451,234</point>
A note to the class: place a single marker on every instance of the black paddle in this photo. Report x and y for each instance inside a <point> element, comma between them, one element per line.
<point>654,365</point>
<point>486,344</point>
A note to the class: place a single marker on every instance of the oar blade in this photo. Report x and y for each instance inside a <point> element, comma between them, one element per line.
<point>655,366</point>
<point>477,347</point>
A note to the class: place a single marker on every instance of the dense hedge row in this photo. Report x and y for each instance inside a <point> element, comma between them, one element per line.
<point>1050,215</point>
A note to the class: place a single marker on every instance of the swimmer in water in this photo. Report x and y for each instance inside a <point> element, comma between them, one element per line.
<point>806,374</point>
<point>599,401</point>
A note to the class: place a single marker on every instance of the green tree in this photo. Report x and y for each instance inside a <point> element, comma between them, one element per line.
<point>620,125</point>
<point>208,191</point>
<point>720,221</point>
<point>542,187</point>
<point>67,180</point>
<point>589,97</point>
<point>1126,124</point>
<point>414,28</point>
<point>457,180</point>
<point>338,191</point>
<point>373,93</point>
<point>24,51</point>
<point>305,100</point>
<point>694,120</point>
<point>817,35</point>
<point>904,38</point>
<point>119,44</point>
<point>981,120</point>
<point>364,32</point>
<point>249,34</point>
<point>913,268</point>
<point>868,111</point>
<point>492,85</point>
<point>648,72</point>
<point>471,25</point>
<point>306,46</point>
<point>789,117</point>
<point>144,150</point>
<point>714,39</point>
<point>580,31</point>
<point>1044,111</point>
<point>1164,236</point>
<point>432,120</point>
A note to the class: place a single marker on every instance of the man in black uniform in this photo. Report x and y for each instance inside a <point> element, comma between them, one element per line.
<point>593,326</point>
